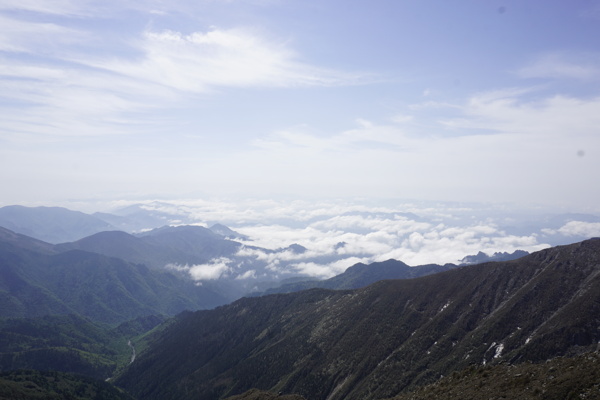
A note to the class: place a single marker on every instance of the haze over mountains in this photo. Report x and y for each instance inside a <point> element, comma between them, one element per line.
<point>152,308</point>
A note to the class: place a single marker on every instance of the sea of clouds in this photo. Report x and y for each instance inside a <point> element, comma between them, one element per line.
<point>335,235</point>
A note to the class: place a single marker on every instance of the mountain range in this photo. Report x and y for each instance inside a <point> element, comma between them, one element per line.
<point>105,289</point>
<point>360,274</point>
<point>44,279</point>
<point>235,269</point>
<point>381,340</point>
<point>127,307</point>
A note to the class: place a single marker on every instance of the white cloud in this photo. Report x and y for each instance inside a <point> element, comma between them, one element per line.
<point>373,237</point>
<point>324,271</point>
<point>39,38</point>
<point>339,234</point>
<point>202,272</point>
<point>250,274</point>
<point>577,228</point>
<point>508,113</point>
<point>57,7</point>
<point>202,61</point>
<point>66,77</point>
<point>563,65</point>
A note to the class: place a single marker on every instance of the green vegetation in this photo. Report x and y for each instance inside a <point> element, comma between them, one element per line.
<point>98,287</point>
<point>52,385</point>
<point>561,378</point>
<point>88,313</point>
<point>69,343</point>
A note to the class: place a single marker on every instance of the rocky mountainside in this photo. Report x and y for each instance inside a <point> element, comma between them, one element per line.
<point>382,340</point>
<point>557,379</point>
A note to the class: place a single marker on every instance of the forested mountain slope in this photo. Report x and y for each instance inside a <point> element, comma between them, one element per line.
<point>101,288</point>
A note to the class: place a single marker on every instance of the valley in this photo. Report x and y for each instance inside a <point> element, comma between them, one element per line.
<point>299,200</point>
<point>105,306</point>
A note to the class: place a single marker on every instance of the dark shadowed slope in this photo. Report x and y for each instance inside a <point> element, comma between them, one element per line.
<point>378,341</point>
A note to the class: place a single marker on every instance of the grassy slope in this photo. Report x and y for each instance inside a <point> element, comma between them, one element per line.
<point>558,379</point>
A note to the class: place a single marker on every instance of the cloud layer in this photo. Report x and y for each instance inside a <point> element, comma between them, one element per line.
<point>337,235</point>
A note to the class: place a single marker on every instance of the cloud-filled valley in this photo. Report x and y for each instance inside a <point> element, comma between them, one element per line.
<point>321,239</point>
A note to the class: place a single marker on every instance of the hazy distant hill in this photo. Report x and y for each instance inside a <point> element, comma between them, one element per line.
<point>360,275</point>
<point>25,242</point>
<point>482,257</point>
<point>93,285</point>
<point>193,240</point>
<point>227,233</point>
<point>51,224</point>
<point>156,248</point>
<point>378,341</point>
<point>130,248</point>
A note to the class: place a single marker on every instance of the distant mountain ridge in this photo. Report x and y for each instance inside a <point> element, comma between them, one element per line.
<point>61,225</point>
<point>51,224</point>
<point>384,339</point>
<point>482,257</point>
<point>361,275</point>
<point>156,248</point>
<point>184,247</point>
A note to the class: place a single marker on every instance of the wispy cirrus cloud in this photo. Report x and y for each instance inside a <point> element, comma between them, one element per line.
<point>52,7</point>
<point>65,74</point>
<point>561,65</point>
<point>201,61</point>
<point>510,112</point>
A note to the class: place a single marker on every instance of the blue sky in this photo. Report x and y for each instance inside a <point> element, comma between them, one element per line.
<point>491,101</point>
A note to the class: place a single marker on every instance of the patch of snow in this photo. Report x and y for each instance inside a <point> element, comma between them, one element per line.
<point>499,350</point>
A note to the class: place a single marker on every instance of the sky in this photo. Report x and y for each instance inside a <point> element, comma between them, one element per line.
<point>484,101</point>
